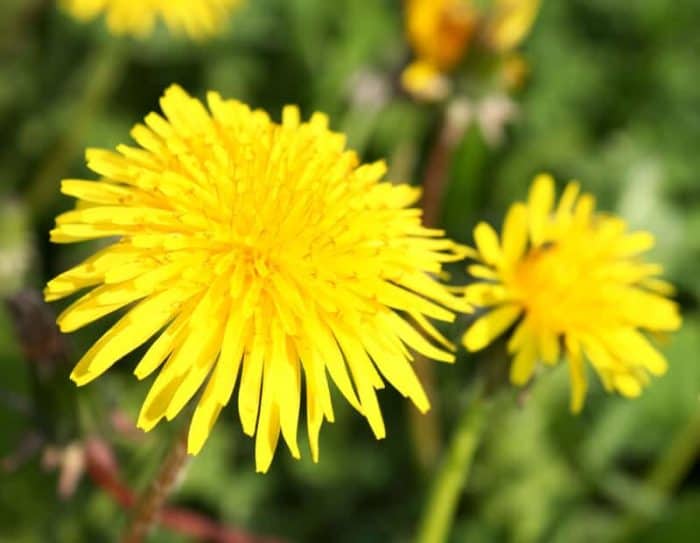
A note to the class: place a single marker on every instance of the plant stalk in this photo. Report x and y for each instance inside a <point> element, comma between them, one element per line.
<point>425,428</point>
<point>150,504</point>
<point>438,515</point>
<point>667,474</point>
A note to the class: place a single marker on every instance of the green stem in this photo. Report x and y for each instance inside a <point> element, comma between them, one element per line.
<point>672,467</point>
<point>453,474</point>
<point>103,73</point>
<point>667,474</point>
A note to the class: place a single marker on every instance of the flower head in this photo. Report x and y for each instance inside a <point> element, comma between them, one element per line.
<point>196,19</point>
<point>441,32</point>
<point>574,281</point>
<point>256,249</point>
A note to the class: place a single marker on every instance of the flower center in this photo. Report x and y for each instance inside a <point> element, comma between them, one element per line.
<point>558,286</point>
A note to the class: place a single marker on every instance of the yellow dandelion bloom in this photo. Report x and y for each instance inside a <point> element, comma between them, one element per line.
<point>197,19</point>
<point>574,281</point>
<point>256,249</point>
<point>439,30</point>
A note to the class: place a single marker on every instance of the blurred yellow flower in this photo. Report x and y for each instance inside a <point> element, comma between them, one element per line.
<point>197,19</point>
<point>439,30</point>
<point>442,31</point>
<point>258,248</point>
<point>575,280</point>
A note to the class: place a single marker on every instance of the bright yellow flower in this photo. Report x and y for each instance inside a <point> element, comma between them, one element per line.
<point>574,280</point>
<point>197,19</point>
<point>258,248</point>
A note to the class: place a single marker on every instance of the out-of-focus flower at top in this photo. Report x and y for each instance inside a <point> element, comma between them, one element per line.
<point>573,280</point>
<point>442,32</point>
<point>198,19</point>
<point>257,249</point>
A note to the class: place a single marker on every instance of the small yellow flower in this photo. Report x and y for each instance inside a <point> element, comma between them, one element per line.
<point>575,280</point>
<point>441,32</point>
<point>254,248</point>
<point>198,19</point>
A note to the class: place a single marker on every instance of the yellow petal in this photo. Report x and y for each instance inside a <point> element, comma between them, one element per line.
<point>268,428</point>
<point>362,371</point>
<point>648,310</point>
<point>433,332</point>
<point>164,344</point>
<point>88,308</point>
<point>487,243</point>
<point>203,420</point>
<point>548,344</point>
<point>512,22</point>
<point>485,294</point>
<point>482,272</point>
<point>540,202</point>
<point>231,356</point>
<point>524,363</point>
<point>132,330</point>
<point>330,353</point>
<point>567,201</point>
<point>628,385</point>
<point>397,371</point>
<point>402,299</point>
<point>490,326</point>
<point>318,400</point>
<point>159,397</point>
<point>287,379</point>
<point>200,351</point>
<point>413,339</point>
<point>515,233</point>
<point>634,244</point>
<point>632,347</point>
<point>249,393</point>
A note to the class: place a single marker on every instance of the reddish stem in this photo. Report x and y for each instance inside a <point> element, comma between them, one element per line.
<point>102,467</point>
<point>426,431</point>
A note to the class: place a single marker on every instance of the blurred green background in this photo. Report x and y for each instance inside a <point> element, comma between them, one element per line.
<point>613,99</point>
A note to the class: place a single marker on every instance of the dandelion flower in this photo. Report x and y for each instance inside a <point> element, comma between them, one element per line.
<point>441,32</point>
<point>197,19</point>
<point>256,249</point>
<point>574,281</point>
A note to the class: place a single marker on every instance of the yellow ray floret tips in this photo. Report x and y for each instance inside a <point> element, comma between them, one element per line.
<point>197,19</point>
<point>574,283</point>
<point>260,258</point>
